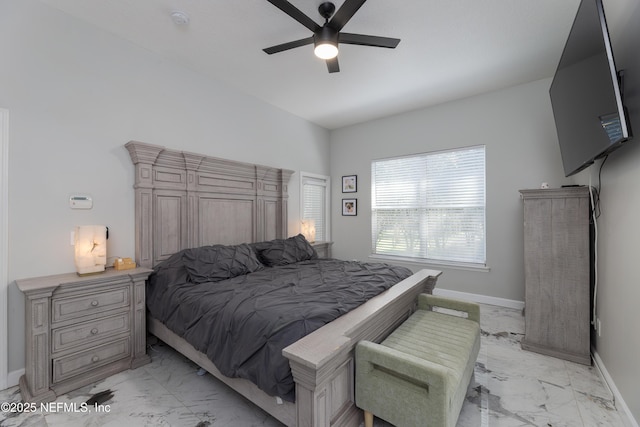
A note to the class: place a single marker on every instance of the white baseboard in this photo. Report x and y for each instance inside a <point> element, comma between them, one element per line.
<point>13,377</point>
<point>477,298</point>
<point>627,416</point>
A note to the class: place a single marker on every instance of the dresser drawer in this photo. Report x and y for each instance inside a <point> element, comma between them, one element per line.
<point>90,331</point>
<point>85,305</point>
<point>85,361</point>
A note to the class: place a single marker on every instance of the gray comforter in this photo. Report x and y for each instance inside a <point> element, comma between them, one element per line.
<point>243,322</point>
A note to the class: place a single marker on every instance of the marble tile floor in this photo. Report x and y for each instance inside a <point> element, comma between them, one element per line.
<point>511,387</point>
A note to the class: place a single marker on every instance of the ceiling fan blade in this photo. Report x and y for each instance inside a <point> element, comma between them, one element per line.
<point>296,14</point>
<point>364,40</point>
<point>345,13</point>
<point>332,65</point>
<point>290,45</point>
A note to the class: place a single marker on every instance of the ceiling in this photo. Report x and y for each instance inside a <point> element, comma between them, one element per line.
<point>450,49</point>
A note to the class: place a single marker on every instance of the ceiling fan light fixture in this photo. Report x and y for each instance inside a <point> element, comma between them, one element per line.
<point>326,43</point>
<point>326,50</point>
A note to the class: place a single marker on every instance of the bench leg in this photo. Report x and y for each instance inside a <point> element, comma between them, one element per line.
<point>368,419</point>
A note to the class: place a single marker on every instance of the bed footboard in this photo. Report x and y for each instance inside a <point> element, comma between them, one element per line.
<point>322,363</point>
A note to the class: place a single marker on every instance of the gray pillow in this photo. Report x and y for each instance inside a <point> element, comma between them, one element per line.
<point>284,251</point>
<point>218,262</point>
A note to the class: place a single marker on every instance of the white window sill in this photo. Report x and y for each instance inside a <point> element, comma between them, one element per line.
<point>432,263</point>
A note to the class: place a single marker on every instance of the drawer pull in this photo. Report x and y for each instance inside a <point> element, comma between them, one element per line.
<point>94,303</point>
<point>94,331</point>
<point>94,359</point>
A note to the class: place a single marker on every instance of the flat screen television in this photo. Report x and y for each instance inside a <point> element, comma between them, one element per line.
<point>586,93</point>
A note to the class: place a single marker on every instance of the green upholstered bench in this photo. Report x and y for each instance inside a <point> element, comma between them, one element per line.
<point>419,375</point>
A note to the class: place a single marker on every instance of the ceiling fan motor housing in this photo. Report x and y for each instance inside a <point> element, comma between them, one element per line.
<point>326,9</point>
<point>326,34</point>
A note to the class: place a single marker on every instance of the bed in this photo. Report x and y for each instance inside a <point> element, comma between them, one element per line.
<point>185,201</point>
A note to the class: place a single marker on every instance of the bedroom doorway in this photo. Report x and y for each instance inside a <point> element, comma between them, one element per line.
<point>4,236</point>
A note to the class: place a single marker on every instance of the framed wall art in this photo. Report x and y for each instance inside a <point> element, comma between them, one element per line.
<point>350,183</point>
<point>349,207</point>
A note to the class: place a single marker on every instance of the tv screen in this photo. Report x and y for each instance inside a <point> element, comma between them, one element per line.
<point>585,92</point>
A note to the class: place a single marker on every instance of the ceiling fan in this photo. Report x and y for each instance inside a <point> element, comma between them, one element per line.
<point>326,38</point>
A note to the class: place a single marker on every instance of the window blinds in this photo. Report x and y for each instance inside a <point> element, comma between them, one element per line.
<point>314,204</point>
<point>430,206</point>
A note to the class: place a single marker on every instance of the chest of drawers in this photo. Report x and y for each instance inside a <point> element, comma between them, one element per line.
<point>81,329</point>
<point>557,273</point>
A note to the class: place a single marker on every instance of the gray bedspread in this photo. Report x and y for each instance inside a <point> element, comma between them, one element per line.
<point>242,323</point>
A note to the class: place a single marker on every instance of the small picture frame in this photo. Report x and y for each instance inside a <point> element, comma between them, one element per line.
<point>350,183</point>
<point>349,207</point>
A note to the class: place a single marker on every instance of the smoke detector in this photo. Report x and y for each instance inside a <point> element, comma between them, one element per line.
<point>179,18</point>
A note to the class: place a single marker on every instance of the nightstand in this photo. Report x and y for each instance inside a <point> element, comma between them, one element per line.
<point>323,249</point>
<point>82,329</point>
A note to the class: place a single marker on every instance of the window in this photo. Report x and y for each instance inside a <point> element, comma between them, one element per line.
<point>315,202</point>
<point>430,206</point>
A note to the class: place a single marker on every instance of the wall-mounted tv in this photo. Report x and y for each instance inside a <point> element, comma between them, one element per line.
<point>586,92</point>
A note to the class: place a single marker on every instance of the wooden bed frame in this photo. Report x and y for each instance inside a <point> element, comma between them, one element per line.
<point>187,200</point>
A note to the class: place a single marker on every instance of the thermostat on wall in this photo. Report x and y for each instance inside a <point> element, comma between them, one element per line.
<point>80,202</point>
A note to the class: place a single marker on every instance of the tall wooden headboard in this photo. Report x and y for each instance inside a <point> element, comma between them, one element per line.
<point>188,200</point>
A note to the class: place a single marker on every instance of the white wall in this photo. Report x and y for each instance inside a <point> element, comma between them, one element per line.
<point>76,95</point>
<point>516,126</point>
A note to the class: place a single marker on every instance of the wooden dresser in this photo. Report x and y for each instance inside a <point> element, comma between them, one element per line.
<point>557,273</point>
<point>81,329</point>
